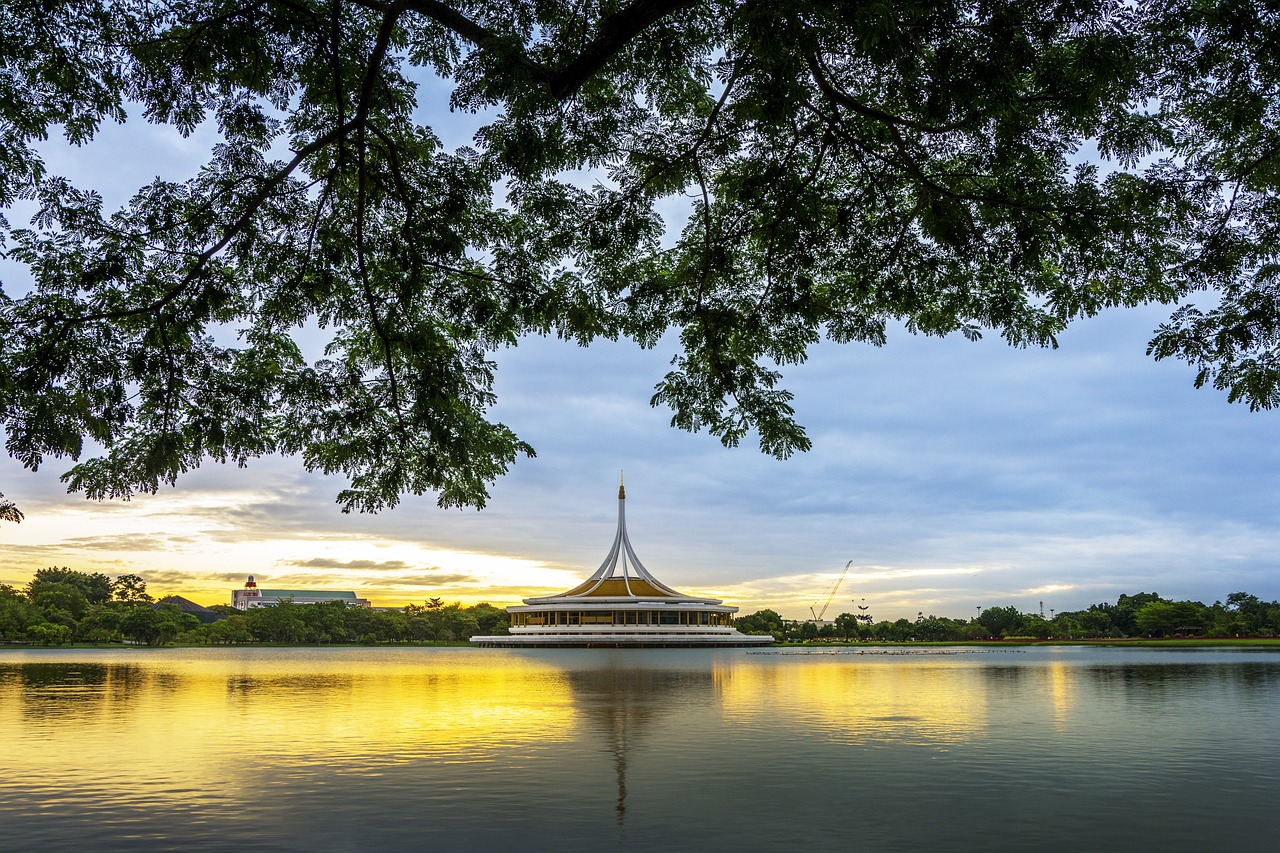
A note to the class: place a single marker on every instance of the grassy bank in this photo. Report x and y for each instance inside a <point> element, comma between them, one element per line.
<point>1127,642</point>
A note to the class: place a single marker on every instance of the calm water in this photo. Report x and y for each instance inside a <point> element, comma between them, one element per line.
<point>442,749</point>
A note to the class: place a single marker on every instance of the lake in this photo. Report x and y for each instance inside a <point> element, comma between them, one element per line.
<point>340,749</point>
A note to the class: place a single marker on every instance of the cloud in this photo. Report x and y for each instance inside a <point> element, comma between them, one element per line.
<point>31,549</point>
<point>326,563</point>
<point>368,580</point>
<point>126,543</point>
<point>180,578</point>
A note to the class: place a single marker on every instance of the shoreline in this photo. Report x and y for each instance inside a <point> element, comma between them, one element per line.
<point>1143,642</point>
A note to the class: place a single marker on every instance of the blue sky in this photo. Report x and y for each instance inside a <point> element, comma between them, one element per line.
<point>953,474</point>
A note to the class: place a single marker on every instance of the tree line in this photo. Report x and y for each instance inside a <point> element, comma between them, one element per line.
<point>1144,614</point>
<point>61,605</point>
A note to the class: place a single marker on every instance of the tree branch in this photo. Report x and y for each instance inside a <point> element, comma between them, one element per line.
<point>844,99</point>
<point>202,260</point>
<point>614,33</point>
<point>376,56</point>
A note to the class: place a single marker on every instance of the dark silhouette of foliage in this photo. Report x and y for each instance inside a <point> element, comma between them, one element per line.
<point>843,169</point>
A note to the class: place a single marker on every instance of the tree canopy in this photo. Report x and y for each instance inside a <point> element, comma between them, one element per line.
<point>837,169</point>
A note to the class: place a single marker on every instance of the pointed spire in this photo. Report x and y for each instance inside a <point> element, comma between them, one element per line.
<point>621,568</point>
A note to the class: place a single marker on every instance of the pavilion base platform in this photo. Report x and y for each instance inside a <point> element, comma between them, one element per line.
<point>624,640</point>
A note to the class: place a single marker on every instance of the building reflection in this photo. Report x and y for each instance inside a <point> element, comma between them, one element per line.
<point>622,704</point>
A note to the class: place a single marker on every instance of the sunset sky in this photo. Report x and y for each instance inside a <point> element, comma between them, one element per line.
<point>954,475</point>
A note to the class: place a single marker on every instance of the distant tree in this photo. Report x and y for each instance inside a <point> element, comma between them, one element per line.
<point>458,624</point>
<point>491,620</point>
<point>358,622</point>
<point>281,622</point>
<point>1166,618</point>
<point>138,622</point>
<point>49,633</point>
<point>1036,626</point>
<point>1271,620</point>
<point>17,613</point>
<point>1124,615</point>
<point>390,626</point>
<point>1002,621</point>
<point>942,629</point>
<point>847,624</point>
<point>325,621</point>
<point>1095,622</point>
<point>1250,611</point>
<point>95,587</point>
<point>419,629</point>
<point>49,595</point>
<point>898,631</point>
<point>233,629</point>
<point>101,624</point>
<point>181,624</point>
<point>761,622</point>
<point>130,589</point>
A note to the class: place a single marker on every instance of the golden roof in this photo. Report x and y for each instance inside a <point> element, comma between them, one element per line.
<point>617,588</point>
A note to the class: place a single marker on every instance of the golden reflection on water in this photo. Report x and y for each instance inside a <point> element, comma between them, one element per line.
<point>100,723</point>
<point>245,719</point>
<point>1063,693</point>
<point>378,709</point>
<point>317,749</point>
<point>912,702</point>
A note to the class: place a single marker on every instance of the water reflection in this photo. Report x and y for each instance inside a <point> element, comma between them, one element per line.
<point>621,704</point>
<point>351,749</point>
<point>858,701</point>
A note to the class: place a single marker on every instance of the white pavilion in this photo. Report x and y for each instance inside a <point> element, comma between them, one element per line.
<point>622,605</point>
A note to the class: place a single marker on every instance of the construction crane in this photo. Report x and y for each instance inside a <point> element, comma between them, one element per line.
<point>817,617</point>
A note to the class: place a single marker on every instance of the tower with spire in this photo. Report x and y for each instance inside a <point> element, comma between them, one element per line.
<point>622,604</point>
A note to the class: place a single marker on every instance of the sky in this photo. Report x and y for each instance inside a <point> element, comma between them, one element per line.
<point>953,476</point>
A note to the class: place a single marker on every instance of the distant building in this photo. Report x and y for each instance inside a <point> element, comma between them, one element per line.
<point>253,596</point>
<point>186,605</point>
